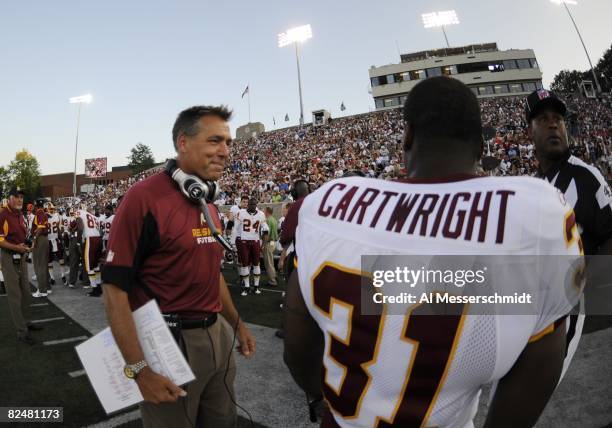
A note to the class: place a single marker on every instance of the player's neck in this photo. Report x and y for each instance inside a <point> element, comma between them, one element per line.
<point>436,168</point>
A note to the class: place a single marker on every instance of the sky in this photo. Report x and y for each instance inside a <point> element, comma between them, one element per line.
<point>145,61</point>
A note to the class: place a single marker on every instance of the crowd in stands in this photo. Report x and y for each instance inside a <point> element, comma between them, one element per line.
<point>371,143</point>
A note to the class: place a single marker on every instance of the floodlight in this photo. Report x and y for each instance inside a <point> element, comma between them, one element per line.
<point>81,99</point>
<point>440,19</point>
<point>295,35</point>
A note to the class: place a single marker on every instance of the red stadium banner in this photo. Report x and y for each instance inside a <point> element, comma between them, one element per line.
<point>95,168</point>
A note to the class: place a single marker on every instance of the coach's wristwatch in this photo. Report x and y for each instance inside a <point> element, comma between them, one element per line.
<point>132,370</point>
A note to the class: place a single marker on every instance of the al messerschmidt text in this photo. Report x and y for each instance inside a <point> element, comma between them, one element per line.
<point>523,298</point>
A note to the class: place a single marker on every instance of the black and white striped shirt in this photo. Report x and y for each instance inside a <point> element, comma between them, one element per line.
<point>588,193</point>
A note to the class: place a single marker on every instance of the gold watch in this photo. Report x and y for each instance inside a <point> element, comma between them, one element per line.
<point>132,370</point>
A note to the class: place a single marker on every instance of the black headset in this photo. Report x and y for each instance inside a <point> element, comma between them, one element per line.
<point>293,191</point>
<point>198,192</point>
<point>192,186</point>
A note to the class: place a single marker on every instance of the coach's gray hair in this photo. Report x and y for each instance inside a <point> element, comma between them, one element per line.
<point>187,122</point>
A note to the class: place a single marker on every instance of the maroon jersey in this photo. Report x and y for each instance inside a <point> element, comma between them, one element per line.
<point>161,247</point>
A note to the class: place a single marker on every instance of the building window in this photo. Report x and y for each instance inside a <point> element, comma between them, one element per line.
<point>449,70</point>
<point>539,85</point>
<point>475,90</point>
<point>496,67</point>
<point>379,103</point>
<point>485,90</point>
<point>403,99</point>
<point>501,89</point>
<point>523,63</point>
<point>434,72</point>
<point>510,64</point>
<point>473,67</point>
<point>417,74</point>
<point>516,88</point>
<point>390,79</point>
<point>534,63</point>
<point>391,102</point>
<point>401,77</point>
<point>529,86</point>
<point>374,81</point>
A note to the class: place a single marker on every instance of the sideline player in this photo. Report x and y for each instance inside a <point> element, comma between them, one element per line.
<point>252,222</point>
<point>56,251</point>
<point>88,234</point>
<point>411,370</point>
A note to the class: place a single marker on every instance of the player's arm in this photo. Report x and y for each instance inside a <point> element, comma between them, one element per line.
<point>303,353</point>
<point>523,393</point>
<point>229,312</point>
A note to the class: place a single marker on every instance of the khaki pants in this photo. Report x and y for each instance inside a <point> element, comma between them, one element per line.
<point>268,256</point>
<point>208,403</point>
<point>17,290</point>
<point>41,262</point>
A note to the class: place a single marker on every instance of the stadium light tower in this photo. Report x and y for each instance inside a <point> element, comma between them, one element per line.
<point>440,19</point>
<point>80,100</point>
<point>574,2</point>
<point>296,36</point>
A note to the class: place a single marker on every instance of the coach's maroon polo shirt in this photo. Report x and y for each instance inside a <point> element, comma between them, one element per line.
<point>13,228</point>
<point>160,246</point>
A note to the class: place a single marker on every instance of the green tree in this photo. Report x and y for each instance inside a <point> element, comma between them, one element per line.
<point>5,181</point>
<point>141,158</point>
<point>24,172</point>
<point>569,81</point>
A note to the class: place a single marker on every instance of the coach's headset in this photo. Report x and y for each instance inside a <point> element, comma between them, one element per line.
<point>198,192</point>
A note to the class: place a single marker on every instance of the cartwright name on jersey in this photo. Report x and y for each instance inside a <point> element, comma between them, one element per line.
<point>447,215</point>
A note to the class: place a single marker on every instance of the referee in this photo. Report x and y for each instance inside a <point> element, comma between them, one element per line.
<point>586,191</point>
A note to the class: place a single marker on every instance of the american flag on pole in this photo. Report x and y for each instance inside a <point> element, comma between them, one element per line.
<point>246,91</point>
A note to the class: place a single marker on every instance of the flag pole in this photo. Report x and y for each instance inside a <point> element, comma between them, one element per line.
<point>249,94</point>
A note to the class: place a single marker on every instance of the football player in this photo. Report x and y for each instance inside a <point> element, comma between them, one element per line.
<point>106,223</point>
<point>252,222</point>
<point>88,234</point>
<point>105,228</point>
<point>54,225</point>
<point>410,370</point>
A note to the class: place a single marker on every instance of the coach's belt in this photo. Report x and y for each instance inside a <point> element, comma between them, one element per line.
<point>187,324</point>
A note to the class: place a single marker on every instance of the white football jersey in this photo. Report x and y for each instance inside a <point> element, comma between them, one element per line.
<point>250,224</point>
<point>30,220</point>
<point>233,215</point>
<point>91,227</point>
<point>106,227</point>
<point>428,372</point>
<point>53,226</point>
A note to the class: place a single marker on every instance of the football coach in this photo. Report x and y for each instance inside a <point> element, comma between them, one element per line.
<point>161,248</point>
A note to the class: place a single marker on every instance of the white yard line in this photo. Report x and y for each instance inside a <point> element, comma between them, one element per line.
<point>76,373</point>
<point>47,320</point>
<point>67,340</point>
